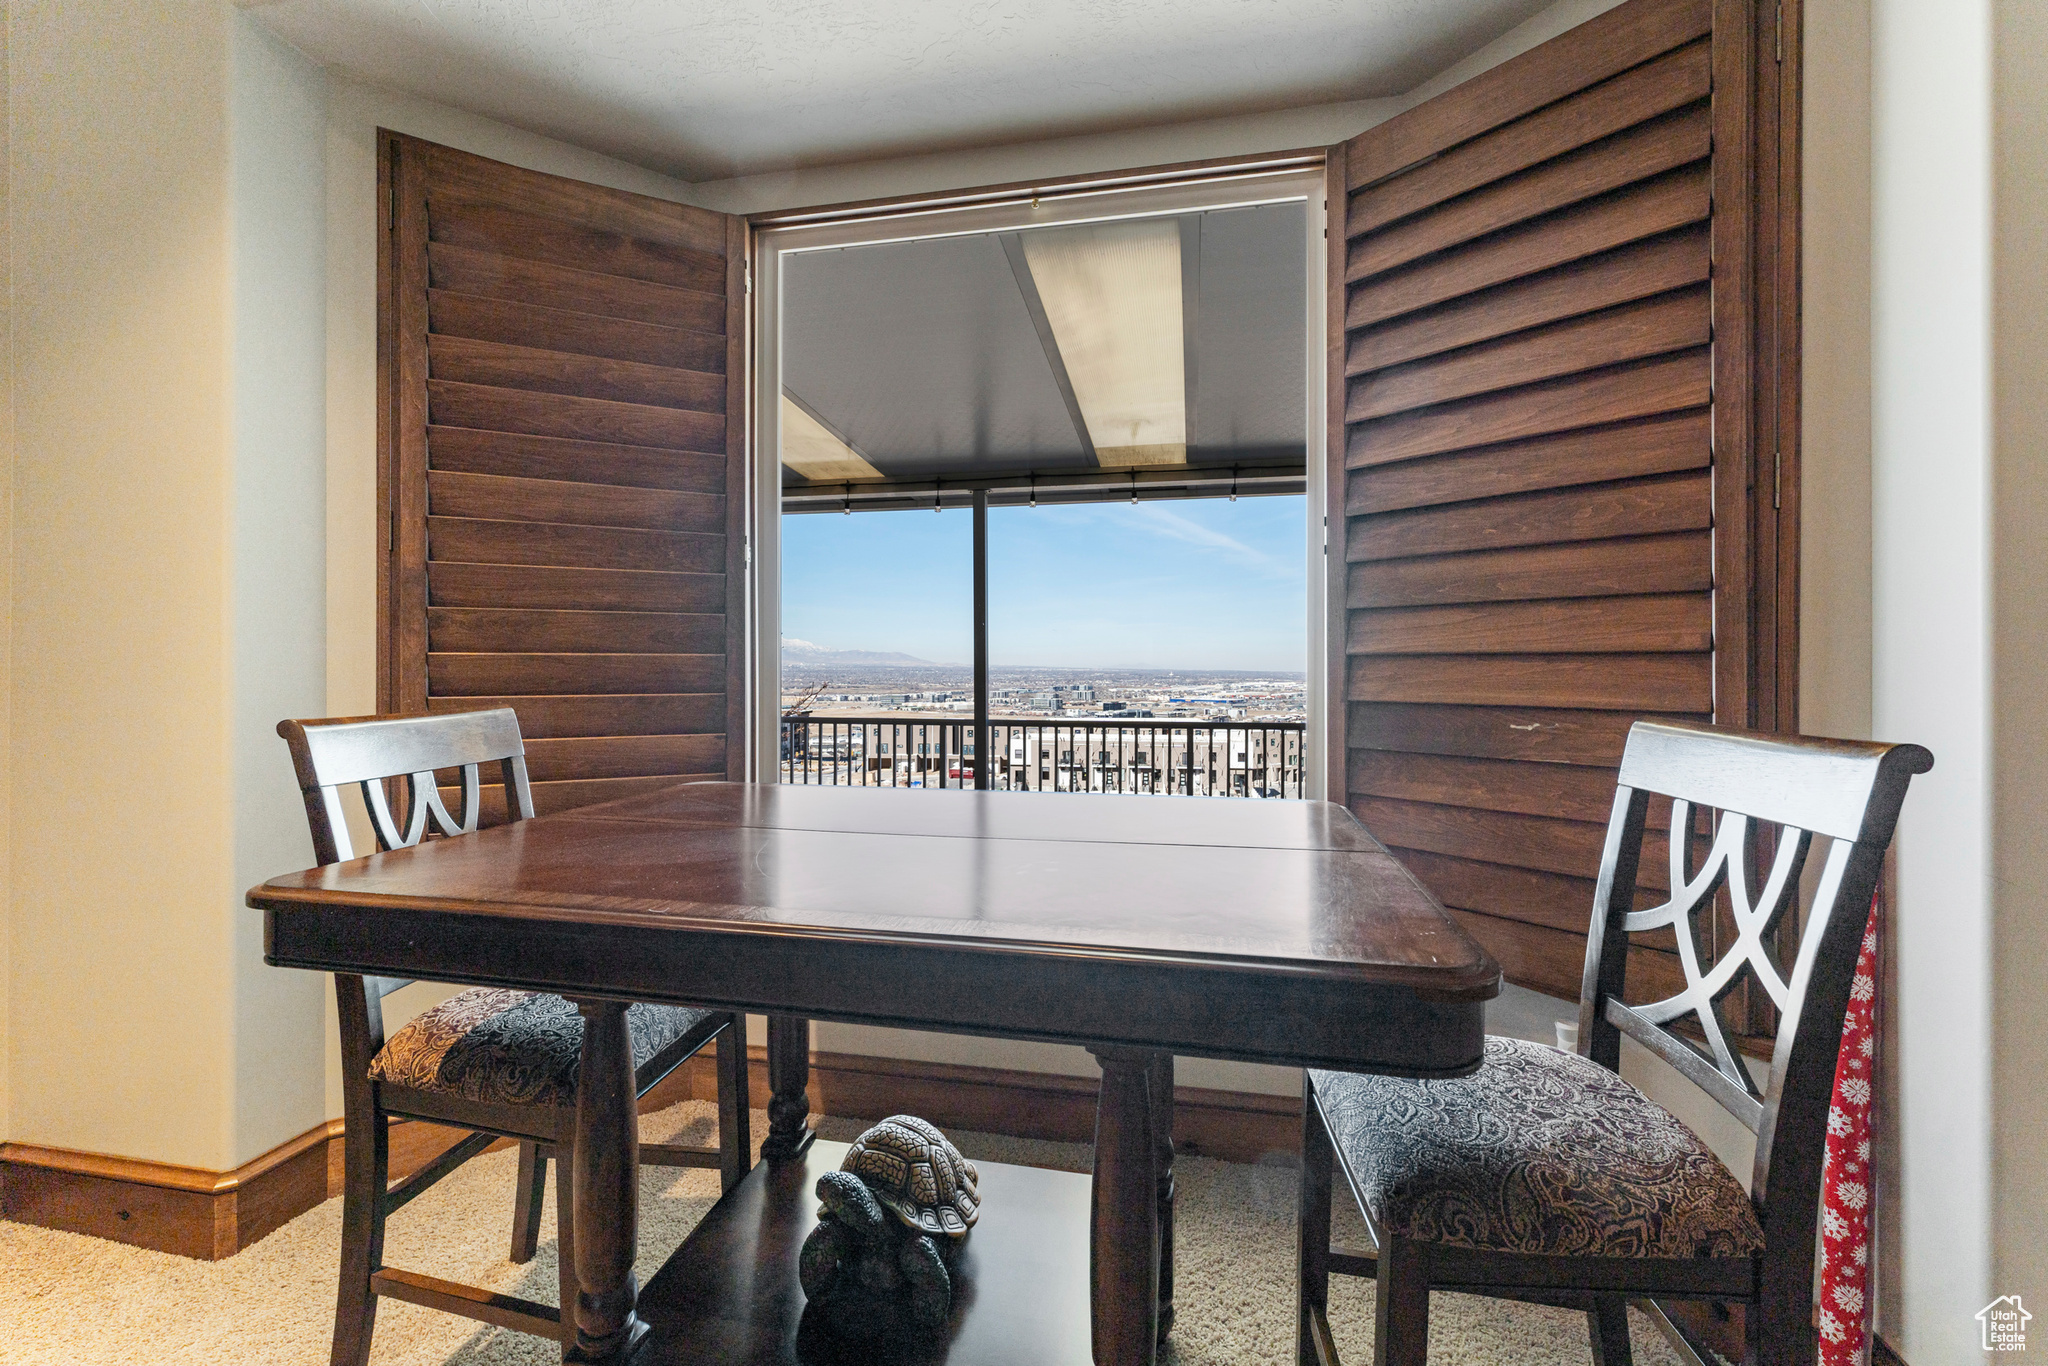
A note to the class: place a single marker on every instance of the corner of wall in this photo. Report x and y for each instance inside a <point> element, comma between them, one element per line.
<point>1933,653</point>
<point>277,127</point>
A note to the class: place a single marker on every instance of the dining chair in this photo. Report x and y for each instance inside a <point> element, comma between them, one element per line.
<point>500,1063</point>
<point>1544,1176</point>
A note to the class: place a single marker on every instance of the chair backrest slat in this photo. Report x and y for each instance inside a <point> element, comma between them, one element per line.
<point>1844,792</point>
<point>328,755</point>
<point>1824,786</point>
<point>1738,1100</point>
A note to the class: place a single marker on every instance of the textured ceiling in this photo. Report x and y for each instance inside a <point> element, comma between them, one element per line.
<point>707,89</point>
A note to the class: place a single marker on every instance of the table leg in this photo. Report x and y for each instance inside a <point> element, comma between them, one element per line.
<point>789,1075</point>
<point>1123,1252</point>
<point>1161,1083</point>
<point>605,1180</point>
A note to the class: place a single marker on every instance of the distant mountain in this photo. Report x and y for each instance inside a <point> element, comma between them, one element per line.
<point>804,652</point>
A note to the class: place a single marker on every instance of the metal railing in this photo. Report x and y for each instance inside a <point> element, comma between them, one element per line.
<point>1166,755</point>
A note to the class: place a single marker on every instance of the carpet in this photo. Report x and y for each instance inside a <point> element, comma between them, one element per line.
<point>65,1297</point>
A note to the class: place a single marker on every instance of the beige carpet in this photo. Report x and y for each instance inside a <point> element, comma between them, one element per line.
<point>68,1298</point>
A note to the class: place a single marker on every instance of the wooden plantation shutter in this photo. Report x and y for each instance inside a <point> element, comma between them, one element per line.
<point>1541,436</point>
<point>562,472</point>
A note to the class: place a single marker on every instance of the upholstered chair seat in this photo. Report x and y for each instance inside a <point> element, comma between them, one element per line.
<point>513,1047</point>
<point>1537,1152</point>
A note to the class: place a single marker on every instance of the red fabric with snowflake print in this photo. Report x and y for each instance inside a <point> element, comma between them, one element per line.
<point>1845,1184</point>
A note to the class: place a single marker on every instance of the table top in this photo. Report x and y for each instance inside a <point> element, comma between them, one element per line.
<point>937,909</point>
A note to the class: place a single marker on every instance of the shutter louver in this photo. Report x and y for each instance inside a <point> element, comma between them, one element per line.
<point>1526,398</point>
<point>560,451</point>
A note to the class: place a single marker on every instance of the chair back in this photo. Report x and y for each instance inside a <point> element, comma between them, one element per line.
<point>366,750</point>
<point>1844,792</point>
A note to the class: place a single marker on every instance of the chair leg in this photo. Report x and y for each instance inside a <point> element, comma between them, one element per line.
<point>1312,1249</point>
<point>565,1238</point>
<point>1401,1318</point>
<point>365,1172</point>
<point>1608,1322</point>
<point>526,1202</point>
<point>735,1114</point>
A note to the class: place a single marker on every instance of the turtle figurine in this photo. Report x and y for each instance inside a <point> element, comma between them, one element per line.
<point>890,1225</point>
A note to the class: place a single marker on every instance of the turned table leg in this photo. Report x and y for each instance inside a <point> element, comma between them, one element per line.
<point>1123,1224</point>
<point>604,1177</point>
<point>789,1076</point>
<point>1161,1083</point>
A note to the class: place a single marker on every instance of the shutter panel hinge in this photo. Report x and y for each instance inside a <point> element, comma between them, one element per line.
<point>1778,33</point>
<point>1777,478</point>
<point>750,277</point>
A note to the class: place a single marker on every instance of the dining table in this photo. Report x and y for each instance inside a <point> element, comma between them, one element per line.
<point>1140,927</point>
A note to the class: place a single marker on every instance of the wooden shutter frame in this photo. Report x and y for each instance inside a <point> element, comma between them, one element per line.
<point>1757,378</point>
<point>402,425</point>
<point>1754,306</point>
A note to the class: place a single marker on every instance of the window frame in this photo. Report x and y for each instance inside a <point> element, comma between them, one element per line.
<point>1229,183</point>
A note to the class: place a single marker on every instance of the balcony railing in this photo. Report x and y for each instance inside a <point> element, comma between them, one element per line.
<point>1167,755</point>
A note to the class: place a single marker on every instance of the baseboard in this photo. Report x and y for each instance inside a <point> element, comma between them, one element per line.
<point>185,1210</point>
<point>209,1215</point>
<point>1236,1126</point>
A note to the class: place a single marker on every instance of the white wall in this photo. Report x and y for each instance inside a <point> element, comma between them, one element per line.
<point>1931,644</point>
<point>276,124</point>
<point>168,275</point>
<point>1928,123</point>
<point>2019,650</point>
<point>123,988</point>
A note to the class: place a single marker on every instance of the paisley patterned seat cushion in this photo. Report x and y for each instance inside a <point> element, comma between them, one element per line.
<point>519,1047</point>
<point>1537,1152</point>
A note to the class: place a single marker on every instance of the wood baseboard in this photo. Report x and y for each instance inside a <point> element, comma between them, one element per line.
<point>1235,1126</point>
<point>210,1215</point>
<point>186,1210</point>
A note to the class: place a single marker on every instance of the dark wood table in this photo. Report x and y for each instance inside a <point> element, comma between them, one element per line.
<point>1140,927</point>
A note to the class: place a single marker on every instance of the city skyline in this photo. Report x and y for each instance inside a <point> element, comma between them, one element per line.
<point>1192,584</point>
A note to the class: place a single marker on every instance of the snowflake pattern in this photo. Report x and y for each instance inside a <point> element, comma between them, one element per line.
<point>1845,1189</point>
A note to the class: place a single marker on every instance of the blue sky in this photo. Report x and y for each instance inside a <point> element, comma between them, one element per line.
<point>1186,584</point>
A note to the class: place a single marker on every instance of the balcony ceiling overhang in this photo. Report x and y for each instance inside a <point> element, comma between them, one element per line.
<point>711,91</point>
<point>1150,357</point>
